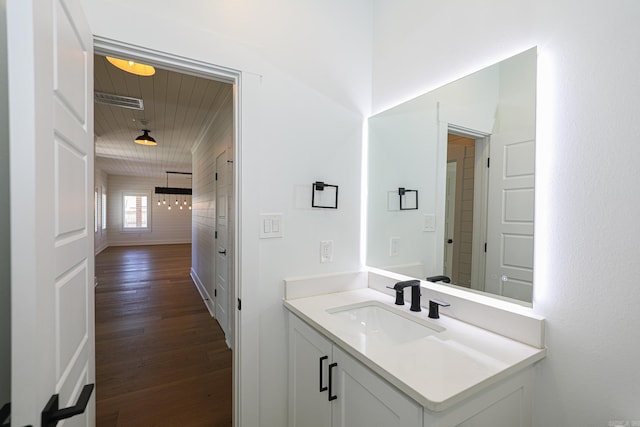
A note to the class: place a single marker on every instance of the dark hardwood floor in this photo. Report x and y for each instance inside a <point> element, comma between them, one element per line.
<point>161,359</point>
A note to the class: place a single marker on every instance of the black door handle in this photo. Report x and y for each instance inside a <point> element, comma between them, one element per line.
<point>224,252</point>
<point>331,395</point>
<point>322,359</point>
<point>449,240</point>
<point>51,414</point>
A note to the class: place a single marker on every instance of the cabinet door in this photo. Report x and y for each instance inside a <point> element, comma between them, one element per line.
<point>366,400</point>
<point>309,358</point>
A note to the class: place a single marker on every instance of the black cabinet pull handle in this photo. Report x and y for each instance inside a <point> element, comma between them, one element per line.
<point>331,395</point>
<point>322,359</point>
<point>51,414</point>
<point>5,414</point>
<point>223,252</point>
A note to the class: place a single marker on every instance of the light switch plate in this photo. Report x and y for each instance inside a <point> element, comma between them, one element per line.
<point>271,225</point>
<point>394,243</point>
<point>429,222</point>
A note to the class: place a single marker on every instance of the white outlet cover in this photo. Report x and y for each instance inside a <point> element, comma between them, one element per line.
<point>326,251</point>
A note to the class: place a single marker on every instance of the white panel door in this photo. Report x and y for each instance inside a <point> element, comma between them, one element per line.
<point>450,217</point>
<point>51,141</point>
<point>223,251</point>
<point>510,216</point>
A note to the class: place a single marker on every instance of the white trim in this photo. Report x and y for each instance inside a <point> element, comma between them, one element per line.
<point>236,290</point>
<point>179,64</point>
<point>193,67</point>
<point>206,298</point>
<point>462,131</point>
<point>441,191</point>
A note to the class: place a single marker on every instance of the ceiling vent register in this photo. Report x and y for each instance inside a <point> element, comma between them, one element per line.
<point>119,101</point>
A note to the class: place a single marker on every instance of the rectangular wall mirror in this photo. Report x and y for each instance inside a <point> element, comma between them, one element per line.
<point>469,149</point>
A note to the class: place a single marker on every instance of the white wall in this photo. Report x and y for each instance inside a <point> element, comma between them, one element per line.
<point>305,91</point>
<point>167,226</point>
<point>587,201</point>
<point>217,138</point>
<point>5,249</point>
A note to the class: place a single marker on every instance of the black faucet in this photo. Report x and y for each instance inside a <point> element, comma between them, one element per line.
<point>415,293</point>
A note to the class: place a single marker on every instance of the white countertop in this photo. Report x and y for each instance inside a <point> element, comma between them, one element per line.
<point>437,371</point>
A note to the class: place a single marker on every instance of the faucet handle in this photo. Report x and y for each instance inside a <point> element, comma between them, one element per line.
<point>399,295</point>
<point>434,305</point>
<point>434,279</point>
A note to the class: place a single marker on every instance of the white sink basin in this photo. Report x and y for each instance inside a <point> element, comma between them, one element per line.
<point>377,321</point>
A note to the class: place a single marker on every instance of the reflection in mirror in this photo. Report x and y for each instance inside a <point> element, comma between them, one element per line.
<point>5,293</point>
<point>5,249</point>
<point>468,148</point>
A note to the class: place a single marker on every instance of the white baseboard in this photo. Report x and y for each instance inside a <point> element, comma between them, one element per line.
<point>208,301</point>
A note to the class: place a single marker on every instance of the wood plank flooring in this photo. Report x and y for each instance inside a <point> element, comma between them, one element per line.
<point>161,359</point>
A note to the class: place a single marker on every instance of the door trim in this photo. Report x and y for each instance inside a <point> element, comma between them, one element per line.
<point>481,179</point>
<point>103,46</point>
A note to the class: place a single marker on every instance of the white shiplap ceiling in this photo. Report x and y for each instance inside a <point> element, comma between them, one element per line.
<point>178,107</point>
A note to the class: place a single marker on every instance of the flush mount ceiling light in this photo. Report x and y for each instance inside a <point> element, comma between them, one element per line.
<point>145,139</point>
<point>132,67</point>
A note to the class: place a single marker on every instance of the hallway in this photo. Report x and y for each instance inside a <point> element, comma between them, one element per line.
<point>161,359</point>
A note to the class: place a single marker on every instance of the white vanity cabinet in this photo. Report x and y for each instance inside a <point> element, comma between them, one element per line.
<point>329,388</point>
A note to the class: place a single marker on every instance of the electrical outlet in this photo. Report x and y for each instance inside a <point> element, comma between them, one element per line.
<point>326,251</point>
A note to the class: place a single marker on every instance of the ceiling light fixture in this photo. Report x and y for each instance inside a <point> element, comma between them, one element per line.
<point>132,67</point>
<point>177,191</point>
<point>145,139</point>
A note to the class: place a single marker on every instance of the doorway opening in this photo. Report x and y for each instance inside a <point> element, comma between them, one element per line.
<point>221,303</point>
<point>467,180</point>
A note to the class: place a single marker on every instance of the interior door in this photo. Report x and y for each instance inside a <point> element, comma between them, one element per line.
<point>50,66</point>
<point>509,268</point>
<point>450,218</point>
<point>223,251</point>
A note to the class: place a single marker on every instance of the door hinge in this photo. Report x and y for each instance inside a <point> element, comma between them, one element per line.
<point>488,161</point>
<point>216,176</point>
<point>239,304</point>
<point>215,292</point>
<point>215,234</point>
<point>485,247</point>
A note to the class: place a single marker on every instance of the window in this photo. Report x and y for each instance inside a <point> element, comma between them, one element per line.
<point>135,212</point>
<point>104,209</point>
<point>95,211</point>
